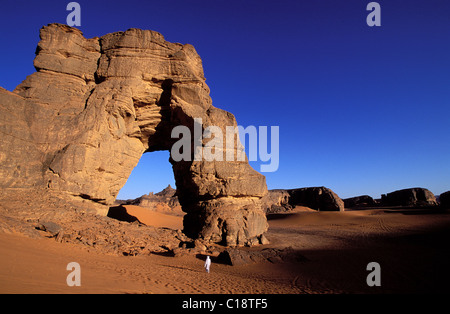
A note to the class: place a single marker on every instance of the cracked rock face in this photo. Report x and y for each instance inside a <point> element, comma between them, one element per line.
<point>78,126</point>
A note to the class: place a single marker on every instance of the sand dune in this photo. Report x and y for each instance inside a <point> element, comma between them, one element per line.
<point>155,218</point>
<point>411,248</point>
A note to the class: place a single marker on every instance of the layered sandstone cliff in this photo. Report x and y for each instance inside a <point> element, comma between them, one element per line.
<point>78,126</point>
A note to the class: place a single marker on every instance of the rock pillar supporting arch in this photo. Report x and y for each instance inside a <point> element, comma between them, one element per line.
<point>78,126</point>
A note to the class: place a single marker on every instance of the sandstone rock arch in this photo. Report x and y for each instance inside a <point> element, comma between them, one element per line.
<point>78,126</point>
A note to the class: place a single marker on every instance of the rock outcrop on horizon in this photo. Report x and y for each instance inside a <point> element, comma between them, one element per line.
<point>78,126</point>
<point>164,201</point>
<point>318,198</point>
<point>276,201</point>
<point>444,200</point>
<point>359,201</point>
<point>409,198</point>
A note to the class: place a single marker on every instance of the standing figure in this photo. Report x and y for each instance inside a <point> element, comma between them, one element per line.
<point>207,264</point>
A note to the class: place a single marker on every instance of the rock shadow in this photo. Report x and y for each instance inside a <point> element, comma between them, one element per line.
<point>120,213</point>
<point>214,259</point>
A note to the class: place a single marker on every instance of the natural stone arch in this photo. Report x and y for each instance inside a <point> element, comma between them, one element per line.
<point>92,109</point>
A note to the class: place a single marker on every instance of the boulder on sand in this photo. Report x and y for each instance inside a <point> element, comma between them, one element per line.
<point>359,201</point>
<point>444,200</point>
<point>319,198</point>
<point>276,201</point>
<point>409,197</point>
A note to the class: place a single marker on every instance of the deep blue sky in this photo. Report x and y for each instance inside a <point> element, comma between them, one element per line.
<point>361,110</point>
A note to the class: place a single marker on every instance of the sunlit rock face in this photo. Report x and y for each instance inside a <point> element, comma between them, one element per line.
<point>78,126</point>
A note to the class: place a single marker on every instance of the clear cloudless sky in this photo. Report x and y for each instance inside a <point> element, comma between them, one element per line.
<point>361,110</point>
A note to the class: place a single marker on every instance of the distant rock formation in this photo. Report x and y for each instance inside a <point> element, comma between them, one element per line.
<point>276,201</point>
<point>444,200</point>
<point>359,201</point>
<point>164,201</point>
<point>409,197</point>
<point>318,198</point>
<point>78,126</point>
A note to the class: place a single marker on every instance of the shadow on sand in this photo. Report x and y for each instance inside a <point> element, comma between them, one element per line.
<point>120,213</point>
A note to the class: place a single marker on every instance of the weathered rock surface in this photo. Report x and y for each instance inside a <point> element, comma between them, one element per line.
<point>409,197</point>
<point>444,200</point>
<point>77,127</point>
<point>165,201</point>
<point>276,201</point>
<point>359,201</point>
<point>319,198</point>
<point>52,217</point>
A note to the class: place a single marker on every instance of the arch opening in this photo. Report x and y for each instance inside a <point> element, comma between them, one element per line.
<point>153,173</point>
<point>149,195</point>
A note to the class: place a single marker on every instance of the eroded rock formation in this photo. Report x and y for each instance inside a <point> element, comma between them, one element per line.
<point>444,200</point>
<point>276,201</point>
<point>359,201</point>
<point>409,197</point>
<point>165,201</point>
<point>318,198</point>
<point>78,126</point>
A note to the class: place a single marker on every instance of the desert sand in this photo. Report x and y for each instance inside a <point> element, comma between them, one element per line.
<point>410,246</point>
<point>156,218</point>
